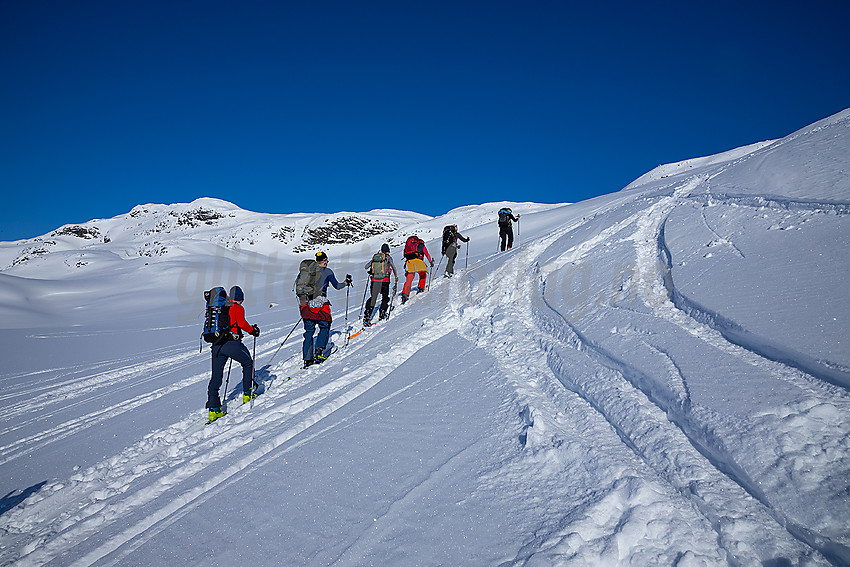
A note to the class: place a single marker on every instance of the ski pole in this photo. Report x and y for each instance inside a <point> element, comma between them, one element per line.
<point>284,340</point>
<point>434,271</point>
<point>347,288</point>
<point>392,299</point>
<point>254,373</point>
<point>466,260</point>
<point>227,382</point>
<point>366,289</point>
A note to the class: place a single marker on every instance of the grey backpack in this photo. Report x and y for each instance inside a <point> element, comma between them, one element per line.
<point>307,282</point>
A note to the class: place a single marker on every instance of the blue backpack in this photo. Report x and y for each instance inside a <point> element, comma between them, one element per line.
<point>217,315</point>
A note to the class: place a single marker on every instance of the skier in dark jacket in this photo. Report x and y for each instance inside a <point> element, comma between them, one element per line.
<point>450,247</point>
<point>316,311</point>
<point>230,346</point>
<point>380,268</point>
<point>506,229</point>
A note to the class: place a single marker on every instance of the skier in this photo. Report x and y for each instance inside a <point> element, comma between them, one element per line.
<point>450,247</point>
<point>380,267</point>
<point>506,229</point>
<point>316,309</point>
<point>414,251</point>
<point>230,346</point>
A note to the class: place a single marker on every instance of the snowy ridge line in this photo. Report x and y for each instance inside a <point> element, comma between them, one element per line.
<point>772,202</point>
<point>55,540</point>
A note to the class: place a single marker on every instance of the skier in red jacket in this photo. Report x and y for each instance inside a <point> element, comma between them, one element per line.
<point>230,347</point>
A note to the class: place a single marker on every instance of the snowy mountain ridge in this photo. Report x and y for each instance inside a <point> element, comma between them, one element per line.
<point>658,376</point>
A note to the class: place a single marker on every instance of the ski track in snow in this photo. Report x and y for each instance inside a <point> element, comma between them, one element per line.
<point>165,460</point>
<point>648,240</point>
<point>677,465</point>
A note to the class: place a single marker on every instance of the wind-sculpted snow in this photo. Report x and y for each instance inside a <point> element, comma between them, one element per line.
<point>652,377</point>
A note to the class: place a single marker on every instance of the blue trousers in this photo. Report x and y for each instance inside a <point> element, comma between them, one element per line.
<point>220,354</point>
<point>321,340</point>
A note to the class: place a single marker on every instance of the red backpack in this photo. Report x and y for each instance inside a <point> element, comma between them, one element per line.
<point>414,248</point>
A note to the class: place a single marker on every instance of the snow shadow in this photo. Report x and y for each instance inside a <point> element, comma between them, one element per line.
<point>11,500</point>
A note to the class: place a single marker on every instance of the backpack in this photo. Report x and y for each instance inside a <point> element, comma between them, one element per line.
<point>504,217</point>
<point>414,248</point>
<point>449,237</point>
<point>307,282</point>
<point>380,266</point>
<point>217,315</point>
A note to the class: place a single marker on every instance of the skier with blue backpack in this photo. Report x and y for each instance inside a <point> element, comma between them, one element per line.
<point>225,322</point>
<point>506,229</point>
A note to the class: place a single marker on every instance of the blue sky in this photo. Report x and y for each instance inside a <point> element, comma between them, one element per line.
<point>296,106</point>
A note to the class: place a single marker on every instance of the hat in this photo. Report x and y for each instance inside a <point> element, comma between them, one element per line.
<point>236,294</point>
<point>321,257</point>
<point>385,247</point>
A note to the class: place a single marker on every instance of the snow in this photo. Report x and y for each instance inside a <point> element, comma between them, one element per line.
<point>658,376</point>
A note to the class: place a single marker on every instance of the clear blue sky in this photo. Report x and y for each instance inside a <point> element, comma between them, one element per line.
<point>313,105</point>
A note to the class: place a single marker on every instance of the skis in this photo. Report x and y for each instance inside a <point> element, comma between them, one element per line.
<point>332,348</point>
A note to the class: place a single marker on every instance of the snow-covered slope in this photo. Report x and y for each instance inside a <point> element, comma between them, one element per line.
<point>658,376</point>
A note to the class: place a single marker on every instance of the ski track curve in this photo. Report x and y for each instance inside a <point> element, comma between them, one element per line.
<point>653,262</point>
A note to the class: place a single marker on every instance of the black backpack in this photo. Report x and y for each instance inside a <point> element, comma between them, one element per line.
<point>449,237</point>
<point>504,217</point>
<point>216,316</point>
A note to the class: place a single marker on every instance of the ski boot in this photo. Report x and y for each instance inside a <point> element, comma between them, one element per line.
<point>216,413</point>
<point>403,298</point>
<point>309,363</point>
<point>320,357</point>
<point>248,397</point>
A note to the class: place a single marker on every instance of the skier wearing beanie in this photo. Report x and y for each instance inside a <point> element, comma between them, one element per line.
<point>230,346</point>
<point>380,267</point>
<point>316,309</point>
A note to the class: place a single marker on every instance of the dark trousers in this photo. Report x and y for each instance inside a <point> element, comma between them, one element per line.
<point>220,354</point>
<point>451,254</point>
<point>382,288</point>
<point>321,340</point>
<point>506,233</point>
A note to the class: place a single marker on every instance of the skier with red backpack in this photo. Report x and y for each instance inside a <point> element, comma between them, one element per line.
<point>414,252</point>
<point>227,344</point>
<point>380,267</point>
<point>311,288</point>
